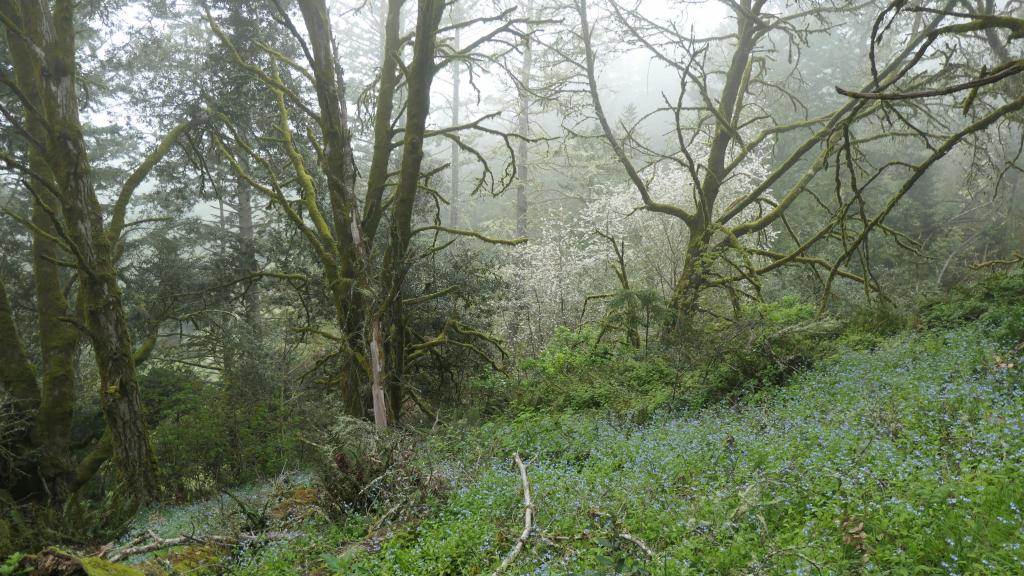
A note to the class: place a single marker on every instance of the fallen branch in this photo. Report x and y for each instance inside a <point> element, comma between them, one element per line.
<point>422,405</point>
<point>110,546</point>
<point>527,517</point>
<point>587,535</point>
<point>380,521</point>
<point>159,543</point>
<point>638,543</point>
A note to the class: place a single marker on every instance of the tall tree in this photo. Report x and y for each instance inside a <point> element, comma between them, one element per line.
<point>456,152</point>
<point>58,174</point>
<point>719,122</point>
<point>522,162</point>
<point>365,253</point>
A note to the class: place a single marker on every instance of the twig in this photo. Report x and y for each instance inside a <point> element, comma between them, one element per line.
<point>638,543</point>
<point>380,521</point>
<point>527,517</point>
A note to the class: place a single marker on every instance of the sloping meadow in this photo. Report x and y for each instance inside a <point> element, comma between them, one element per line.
<point>903,460</point>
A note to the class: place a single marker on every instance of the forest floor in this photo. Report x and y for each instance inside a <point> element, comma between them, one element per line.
<point>905,459</point>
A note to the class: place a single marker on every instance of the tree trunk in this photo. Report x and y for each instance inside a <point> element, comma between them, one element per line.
<point>380,163</point>
<point>58,342</point>
<point>58,339</point>
<point>691,282</point>
<point>453,207</point>
<point>522,162</point>
<point>247,257</point>
<point>82,217</point>
<point>420,78</point>
<point>699,259</point>
<point>251,369</point>
<point>341,175</point>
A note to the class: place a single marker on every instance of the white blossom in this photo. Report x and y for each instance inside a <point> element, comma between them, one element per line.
<point>565,259</point>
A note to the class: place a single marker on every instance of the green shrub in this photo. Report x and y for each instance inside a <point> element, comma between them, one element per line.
<point>996,301</point>
<point>204,440</point>
<point>12,564</point>
<point>29,527</point>
<point>577,372</point>
<point>361,468</point>
<point>767,343</point>
<point>879,319</point>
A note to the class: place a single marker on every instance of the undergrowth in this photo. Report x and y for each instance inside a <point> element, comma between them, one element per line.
<point>901,460</point>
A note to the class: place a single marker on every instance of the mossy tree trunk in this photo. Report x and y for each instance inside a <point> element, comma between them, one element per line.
<point>377,178</point>
<point>348,287</point>
<point>44,60</point>
<point>692,281</point>
<point>58,339</point>
<point>699,256</point>
<point>366,296</point>
<point>357,314</point>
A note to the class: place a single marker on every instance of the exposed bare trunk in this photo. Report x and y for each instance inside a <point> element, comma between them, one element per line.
<point>453,210</point>
<point>522,160</point>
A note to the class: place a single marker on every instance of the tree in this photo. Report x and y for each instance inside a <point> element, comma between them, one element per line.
<point>979,83</point>
<point>456,152</point>
<point>522,204</point>
<point>56,171</point>
<point>365,253</point>
<point>728,119</point>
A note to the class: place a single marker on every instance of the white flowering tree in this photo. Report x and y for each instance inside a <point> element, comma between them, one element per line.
<point>613,250</point>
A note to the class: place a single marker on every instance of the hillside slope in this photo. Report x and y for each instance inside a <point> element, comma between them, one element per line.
<point>903,460</point>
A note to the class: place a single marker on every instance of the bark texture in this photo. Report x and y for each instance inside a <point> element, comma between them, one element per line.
<point>68,214</point>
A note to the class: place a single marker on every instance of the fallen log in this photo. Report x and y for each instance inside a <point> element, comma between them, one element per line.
<point>54,562</point>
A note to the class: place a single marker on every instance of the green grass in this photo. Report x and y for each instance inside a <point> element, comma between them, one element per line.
<point>903,460</point>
